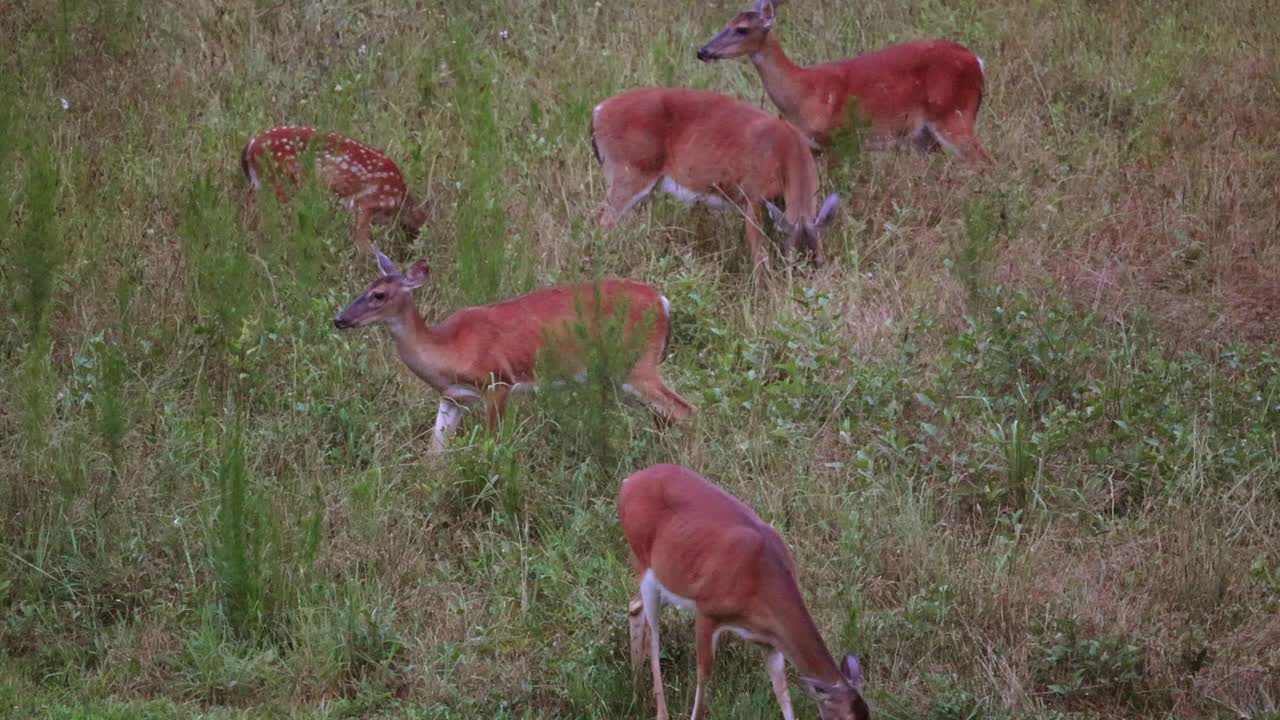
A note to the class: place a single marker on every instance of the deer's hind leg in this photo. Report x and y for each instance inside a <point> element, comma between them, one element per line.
<point>668,406</point>
<point>638,633</point>
<point>632,164</point>
<point>957,135</point>
<point>626,187</point>
<point>496,405</point>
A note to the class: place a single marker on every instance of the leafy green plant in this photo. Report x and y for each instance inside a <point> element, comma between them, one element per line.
<point>219,260</point>
<point>481,217</point>
<point>491,474</point>
<point>1074,665</point>
<point>238,555</point>
<point>39,255</point>
<point>581,371</point>
<point>953,702</point>
<point>971,261</point>
<point>846,146</point>
<point>215,665</point>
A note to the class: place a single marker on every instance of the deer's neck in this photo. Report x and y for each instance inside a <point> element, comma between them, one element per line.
<point>797,637</point>
<point>783,80</point>
<point>412,215</point>
<point>416,343</point>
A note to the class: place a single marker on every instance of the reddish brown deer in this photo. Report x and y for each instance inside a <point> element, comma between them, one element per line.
<point>699,548</point>
<point>925,91</point>
<point>362,177</point>
<point>483,354</point>
<point>710,148</point>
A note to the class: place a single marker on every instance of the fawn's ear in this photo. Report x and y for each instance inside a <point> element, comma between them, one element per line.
<point>827,214</point>
<point>779,218</point>
<point>417,275</point>
<point>852,672</point>
<point>384,263</point>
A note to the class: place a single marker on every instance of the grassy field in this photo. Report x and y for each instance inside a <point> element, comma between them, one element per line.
<point>1022,433</point>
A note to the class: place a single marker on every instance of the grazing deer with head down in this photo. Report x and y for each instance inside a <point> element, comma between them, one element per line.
<point>699,548</point>
<point>710,148</point>
<point>483,354</point>
<point>362,177</point>
<point>925,91</point>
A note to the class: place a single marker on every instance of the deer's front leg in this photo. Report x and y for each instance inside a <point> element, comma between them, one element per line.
<point>756,241</point>
<point>448,415</point>
<point>776,665</point>
<point>496,405</point>
<point>363,220</point>
<point>705,630</point>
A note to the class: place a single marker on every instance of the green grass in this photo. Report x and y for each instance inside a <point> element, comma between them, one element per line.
<point>1021,434</point>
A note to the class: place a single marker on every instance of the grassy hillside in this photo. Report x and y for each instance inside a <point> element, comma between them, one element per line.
<point>1022,433</point>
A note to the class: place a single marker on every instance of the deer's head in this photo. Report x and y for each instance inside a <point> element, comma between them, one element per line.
<point>842,700</point>
<point>807,234</point>
<point>743,35</point>
<point>414,213</point>
<point>385,297</point>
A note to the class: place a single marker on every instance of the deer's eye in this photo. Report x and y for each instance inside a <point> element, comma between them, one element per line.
<point>741,30</point>
<point>379,295</point>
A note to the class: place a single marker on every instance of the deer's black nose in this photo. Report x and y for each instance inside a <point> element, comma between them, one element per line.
<point>703,55</point>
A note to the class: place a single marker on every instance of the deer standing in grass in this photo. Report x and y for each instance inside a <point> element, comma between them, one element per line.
<point>483,354</point>
<point>710,148</point>
<point>699,548</point>
<point>362,177</point>
<point>925,91</point>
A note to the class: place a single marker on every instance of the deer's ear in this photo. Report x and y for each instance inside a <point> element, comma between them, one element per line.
<point>852,672</point>
<point>827,214</point>
<point>417,275</point>
<point>384,263</point>
<point>817,689</point>
<point>766,10</point>
<point>778,217</point>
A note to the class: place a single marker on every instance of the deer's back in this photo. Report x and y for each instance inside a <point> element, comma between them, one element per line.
<point>505,338</point>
